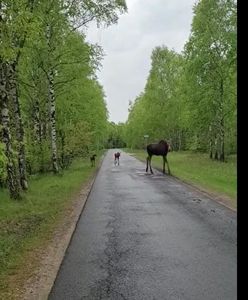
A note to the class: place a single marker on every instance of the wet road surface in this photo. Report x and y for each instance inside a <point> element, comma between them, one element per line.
<point>147,237</point>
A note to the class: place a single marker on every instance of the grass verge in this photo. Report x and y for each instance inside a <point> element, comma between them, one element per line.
<point>199,170</point>
<point>28,224</point>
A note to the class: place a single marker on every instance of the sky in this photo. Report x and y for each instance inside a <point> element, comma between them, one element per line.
<point>128,45</point>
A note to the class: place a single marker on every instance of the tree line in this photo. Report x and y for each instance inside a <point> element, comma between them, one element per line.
<point>52,107</point>
<point>190,97</point>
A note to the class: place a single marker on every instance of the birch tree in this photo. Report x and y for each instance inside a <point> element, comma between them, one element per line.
<point>211,55</point>
<point>15,19</point>
<point>25,22</point>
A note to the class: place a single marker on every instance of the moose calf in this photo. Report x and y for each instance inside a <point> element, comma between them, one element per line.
<point>93,160</point>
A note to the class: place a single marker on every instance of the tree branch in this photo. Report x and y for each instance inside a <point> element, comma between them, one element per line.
<point>64,81</point>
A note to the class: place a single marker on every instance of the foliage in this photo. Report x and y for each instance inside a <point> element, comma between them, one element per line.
<point>190,98</point>
<point>53,105</point>
<point>115,136</point>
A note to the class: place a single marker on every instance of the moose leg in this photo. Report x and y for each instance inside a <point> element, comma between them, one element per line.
<point>150,160</point>
<point>167,165</point>
<point>147,163</point>
<point>164,158</point>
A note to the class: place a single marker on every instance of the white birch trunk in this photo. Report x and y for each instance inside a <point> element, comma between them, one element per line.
<point>222,127</point>
<point>19,126</point>
<point>51,105</point>
<point>52,110</point>
<point>12,174</point>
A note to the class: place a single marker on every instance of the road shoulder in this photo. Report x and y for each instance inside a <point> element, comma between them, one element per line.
<point>50,257</point>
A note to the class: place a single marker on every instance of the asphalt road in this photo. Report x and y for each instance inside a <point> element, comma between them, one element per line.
<point>148,237</point>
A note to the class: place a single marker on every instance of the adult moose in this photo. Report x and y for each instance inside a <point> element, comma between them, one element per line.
<point>160,149</point>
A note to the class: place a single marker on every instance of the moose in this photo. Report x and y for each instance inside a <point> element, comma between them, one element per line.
<point>117,158</point>
<point>160,149</point>
<point>93,160</point>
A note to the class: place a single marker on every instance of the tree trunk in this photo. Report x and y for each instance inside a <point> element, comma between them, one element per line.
<point>216,148</point>
<point>179,139</point>
<point>51,103</point>
<point>222,128</point>
<point>61,136</point>
<point>222,142</point>
<point>210,149</point>
<point>12,174</point>
<point>210,143</point>
<point>38,131</point>
<point>51,98</point>
<point>37,123</point>
<point>19,126</point>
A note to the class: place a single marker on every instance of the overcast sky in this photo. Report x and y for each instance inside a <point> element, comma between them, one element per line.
<point>128,46</point>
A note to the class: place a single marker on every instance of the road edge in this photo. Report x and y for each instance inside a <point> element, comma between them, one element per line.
<point>40,285</point>
<point>211,195</point>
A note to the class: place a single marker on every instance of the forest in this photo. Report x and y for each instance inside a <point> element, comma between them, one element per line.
<point>53,108</point>
<point>190,98</point>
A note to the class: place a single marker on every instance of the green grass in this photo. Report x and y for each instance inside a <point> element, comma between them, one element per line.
<point>28,223</point>
<point>198,169</point>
